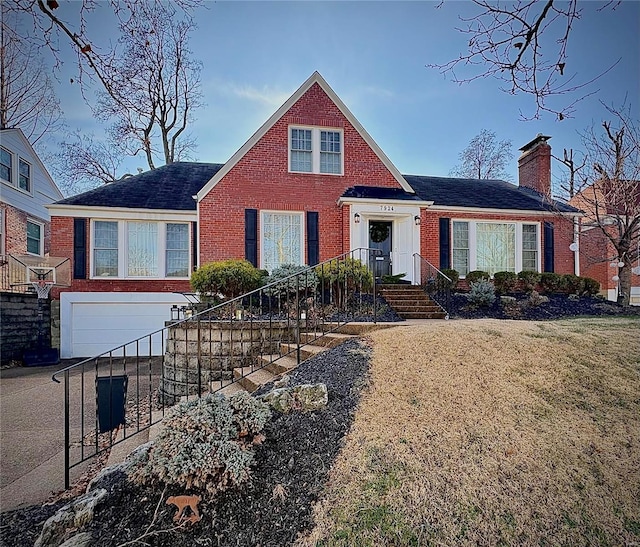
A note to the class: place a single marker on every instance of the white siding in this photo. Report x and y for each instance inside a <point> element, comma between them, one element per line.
<point>43,189</point>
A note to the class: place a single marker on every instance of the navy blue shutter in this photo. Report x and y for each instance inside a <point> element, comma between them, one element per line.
<point>251,236</point>
<point>79,248</point>
<point>445,243</point>
<point>548,247</point>
<point>313,239</point>
<point>194,245</point>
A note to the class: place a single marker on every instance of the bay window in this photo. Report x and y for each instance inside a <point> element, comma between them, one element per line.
<point>281,239</point>
<point>140,249</point>
<point>495,246</point>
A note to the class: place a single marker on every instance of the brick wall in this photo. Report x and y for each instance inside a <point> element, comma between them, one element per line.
<point>19,320</point>
<point>261,180</point>
<point>62,245</point>
<point>563,256</point>
<point>534,166</point>
<point>16,230</point>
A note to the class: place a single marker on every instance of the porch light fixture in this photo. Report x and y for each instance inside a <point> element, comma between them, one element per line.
<point>175,313</point>
<point>356,218</point>
<point>416,219</point>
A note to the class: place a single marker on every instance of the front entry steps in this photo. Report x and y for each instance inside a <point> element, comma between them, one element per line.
<point>250,379</point>
<point>411,302</point>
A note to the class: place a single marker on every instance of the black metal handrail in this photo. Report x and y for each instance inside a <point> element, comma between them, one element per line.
<point>436,284</point>
<point>119,393</point>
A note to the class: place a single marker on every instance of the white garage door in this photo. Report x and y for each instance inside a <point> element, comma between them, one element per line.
<point>95,323</point>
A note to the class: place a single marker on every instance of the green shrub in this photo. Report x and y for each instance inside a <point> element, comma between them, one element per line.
<point>504,282</point>
<point>350,271</point>
<point>393,279</point>
<point>530,279</point>
<point>551,282</point>
<point>591,286</point>
<point>477,275</point>
<point>230,278</point>
<point>205,444</point>
<point>572,284</point>
<point>482,293</point>
<point>309,280</point>
<point>453,275</point>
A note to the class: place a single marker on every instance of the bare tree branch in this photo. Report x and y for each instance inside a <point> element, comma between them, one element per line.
<point>484,158</point>
<point>524,44</point>
<point>27,97</point>
<point>611,193</point>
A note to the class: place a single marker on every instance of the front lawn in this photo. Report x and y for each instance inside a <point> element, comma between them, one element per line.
<point>493,433</point>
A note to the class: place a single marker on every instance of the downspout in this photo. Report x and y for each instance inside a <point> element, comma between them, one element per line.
<point>576,245</point>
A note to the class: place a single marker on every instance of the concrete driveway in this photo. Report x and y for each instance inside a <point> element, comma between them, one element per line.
<point>32,427</point>
<point>31,436</point>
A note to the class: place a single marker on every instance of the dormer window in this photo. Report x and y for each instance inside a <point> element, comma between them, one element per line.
<point>315,150</point>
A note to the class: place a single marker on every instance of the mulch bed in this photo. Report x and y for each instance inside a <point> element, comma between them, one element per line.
<point>558,306</point>
<point>291,469</point>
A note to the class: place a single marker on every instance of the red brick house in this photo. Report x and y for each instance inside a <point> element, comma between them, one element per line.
<point>309,185</point>
<point>598,257</point>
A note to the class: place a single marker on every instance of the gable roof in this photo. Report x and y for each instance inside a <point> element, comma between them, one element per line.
<point>483,194</point>
<point>34,157</point>
<point>170,187</point>
<point>315,78</point>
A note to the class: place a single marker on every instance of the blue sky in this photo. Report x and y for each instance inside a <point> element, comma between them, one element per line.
<point>373,54</point>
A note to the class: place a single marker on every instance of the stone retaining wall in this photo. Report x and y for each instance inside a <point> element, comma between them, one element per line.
<point>19,325</point>
<point>206,351</point>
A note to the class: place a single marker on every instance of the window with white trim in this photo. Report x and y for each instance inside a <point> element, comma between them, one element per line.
<point>315,150</point>
<point>140,249</point>
<point>530,247</point>
<point>281,239</point>
<point>495,247</point>
<point>6,165</point>
<point>24,175</point>
<point>35,238</point>
<point>177,259</point>
<point>105,248</point>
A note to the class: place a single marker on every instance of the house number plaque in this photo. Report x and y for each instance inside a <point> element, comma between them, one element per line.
<point>386,207</point>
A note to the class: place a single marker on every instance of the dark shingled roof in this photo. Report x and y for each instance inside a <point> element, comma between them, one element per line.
<point>374,192</point>
<point>173,187</point>
<point>484,194</point>
<point>168,187</point>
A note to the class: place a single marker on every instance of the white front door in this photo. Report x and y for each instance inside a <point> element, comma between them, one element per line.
<point>404,237</point>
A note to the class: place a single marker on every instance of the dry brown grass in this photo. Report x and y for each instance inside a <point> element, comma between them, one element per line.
<point>493,432</point>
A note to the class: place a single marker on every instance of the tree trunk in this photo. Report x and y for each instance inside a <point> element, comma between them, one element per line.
<point>624,285</point>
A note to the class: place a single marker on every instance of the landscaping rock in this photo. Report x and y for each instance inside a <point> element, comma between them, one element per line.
<point>508,300</point>
<point>76,514</point>
<point>110,476</point>
<point>305,398</point>
<point>84,539</point>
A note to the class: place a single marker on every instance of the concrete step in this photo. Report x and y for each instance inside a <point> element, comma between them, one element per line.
<point>328,340</point>
<point>230,389</point>
<point>251,379</point>
<point>400,308</point>
<point>305,351</point>
<point>278,364</point>
<point>358,329</point>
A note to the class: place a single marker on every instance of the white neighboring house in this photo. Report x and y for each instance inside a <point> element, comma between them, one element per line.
<point>25,189</point>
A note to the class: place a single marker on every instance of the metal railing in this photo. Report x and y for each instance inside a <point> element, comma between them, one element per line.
<point>122,392</point>
<point>436,284</point>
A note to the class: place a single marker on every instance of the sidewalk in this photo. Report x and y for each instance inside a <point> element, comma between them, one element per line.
<point>31,436</point>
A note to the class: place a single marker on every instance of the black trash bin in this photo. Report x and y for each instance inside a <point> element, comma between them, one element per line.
<point>112,399</point>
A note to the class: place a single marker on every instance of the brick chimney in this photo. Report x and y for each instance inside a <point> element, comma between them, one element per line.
<point>534,166</point>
